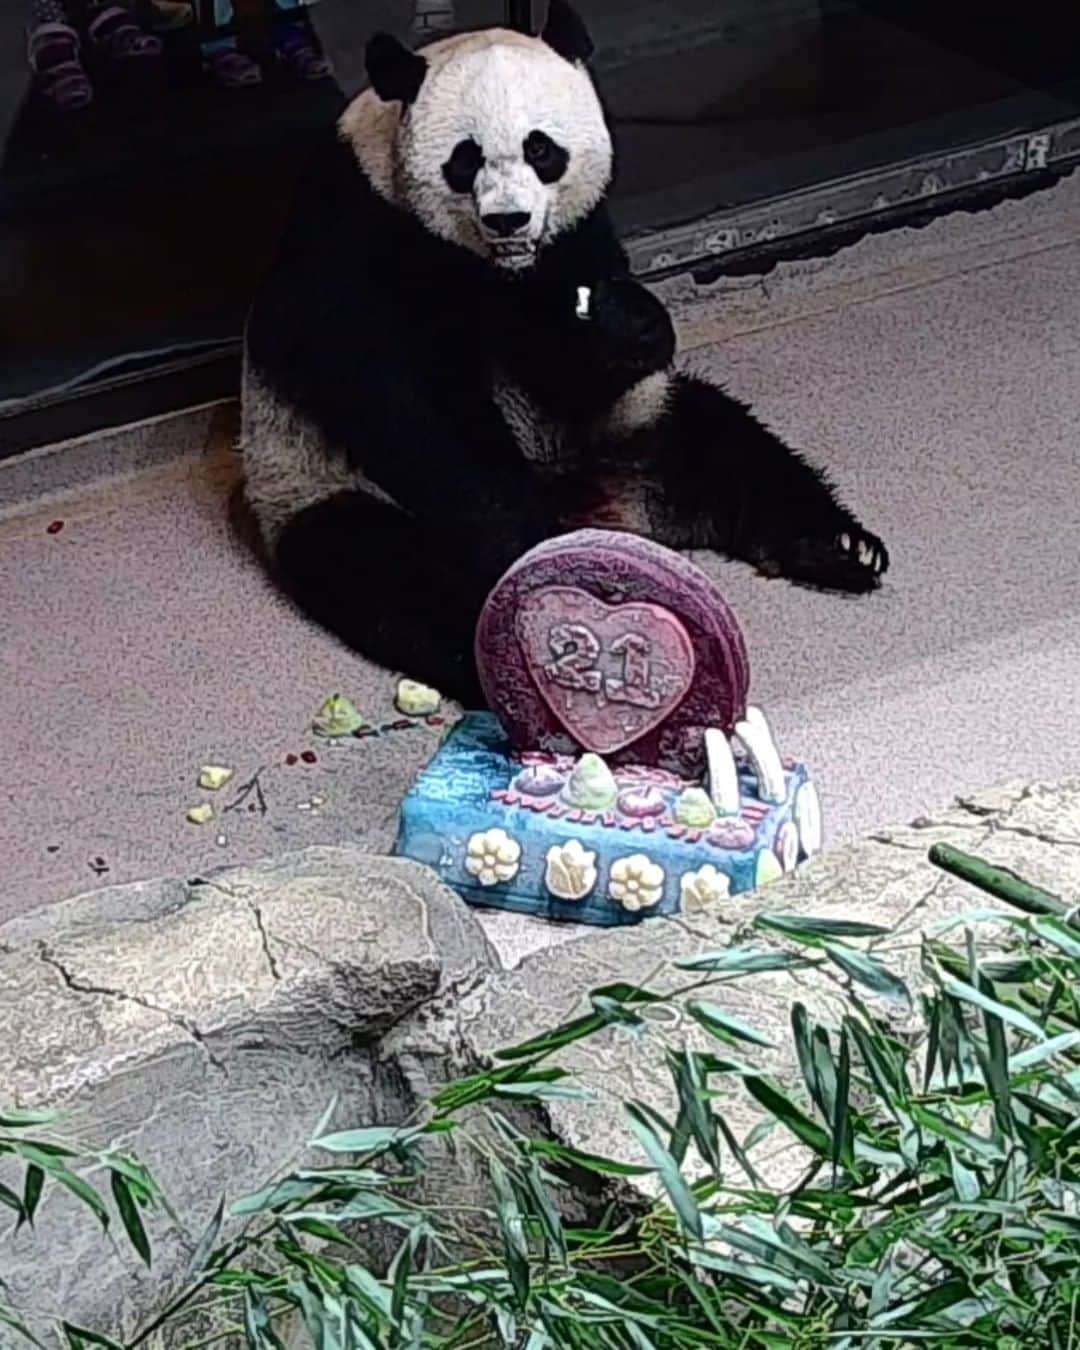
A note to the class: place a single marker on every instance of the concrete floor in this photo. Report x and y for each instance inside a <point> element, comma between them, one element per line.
<point>934,372</point>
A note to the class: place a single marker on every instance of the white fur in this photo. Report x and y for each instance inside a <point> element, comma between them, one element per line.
<point>495,87</point>
<point>640,407</point>
<point>287,465</point>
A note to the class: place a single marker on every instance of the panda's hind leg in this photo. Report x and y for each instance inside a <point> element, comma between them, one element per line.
<point>726,482</point>
<point>373,577</point>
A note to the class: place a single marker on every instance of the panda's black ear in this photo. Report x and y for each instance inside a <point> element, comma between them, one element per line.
<point>396,73</point>
<point>565,31</point>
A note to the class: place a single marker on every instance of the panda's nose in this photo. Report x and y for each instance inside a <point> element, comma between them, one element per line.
<point>505,223</point>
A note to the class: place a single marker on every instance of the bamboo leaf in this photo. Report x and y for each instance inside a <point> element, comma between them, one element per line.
<point>78,1338</point>
<point>670,1176</point>
<point>567,1034</point>
<point>787,1113</point>
<point>967,994</point>
<point>374,1139</point>
<point>723,1025</point>
<point>742,961</point>
<point>590,1162</point>
<point>1038,1054</point>
<point>205,1246</point>
<point>258,1324</point>
<point>806,929</point>
<point>869,972</point>
<point>130,1216</point>
<point>33,1186</point>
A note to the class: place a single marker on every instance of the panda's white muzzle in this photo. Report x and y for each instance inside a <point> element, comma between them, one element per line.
<point>511,205</point>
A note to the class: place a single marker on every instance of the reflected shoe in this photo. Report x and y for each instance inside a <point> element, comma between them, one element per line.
<point>115,33</point>
<point>169,16</point>
<point>230,67</point>
<point>59,77</point>
<point>297,50</point>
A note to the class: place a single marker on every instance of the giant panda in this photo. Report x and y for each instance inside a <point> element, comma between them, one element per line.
<point>448,361</point>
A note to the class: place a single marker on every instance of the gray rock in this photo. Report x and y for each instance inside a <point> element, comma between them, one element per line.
<point>205,1025</point>
<point>206,1028</point>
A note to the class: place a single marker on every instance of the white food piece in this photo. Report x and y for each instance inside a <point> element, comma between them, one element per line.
<point>221,841</point>
<point>767,869</point>
<point>570,873</point>
<point>721,775</point>
<point>584,302</point>
<point>764,757</point>
<point>787,845</point>
<point>757,718</point>
<point>199,815</point>
<point>417,700</point>
<point>338,716</point>
<point>808,819</point>
<point>213,777</point>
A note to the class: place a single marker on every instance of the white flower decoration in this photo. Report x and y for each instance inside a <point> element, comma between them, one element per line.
<point>493,857</point>
<point>636,882</point>
<point>702,889</point>
<point>571,870</point>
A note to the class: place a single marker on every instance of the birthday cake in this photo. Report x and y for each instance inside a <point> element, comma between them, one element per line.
<point>622,774</point>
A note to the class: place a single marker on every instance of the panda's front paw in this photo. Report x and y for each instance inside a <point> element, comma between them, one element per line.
<point>851,559</point>
<point>629,327</point>
<point>864,549</point>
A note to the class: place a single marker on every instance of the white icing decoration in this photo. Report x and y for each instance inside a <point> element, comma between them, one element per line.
<point>636,882</point>
<point>584,302</point>
<point>767,869</point>
<point>721,775</point>
<point>755,735</point>
<point>786,845</point>
<point>571,870</point>
<point>493,857</point>
<point>808,819</point>
<point>702,889</point>
<point>756,717</point>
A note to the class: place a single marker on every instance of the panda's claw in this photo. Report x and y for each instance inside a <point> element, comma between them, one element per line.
<point>866,549</point>
<point>853,561</point>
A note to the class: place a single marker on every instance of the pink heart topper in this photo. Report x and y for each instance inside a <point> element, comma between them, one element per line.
<point>622,572</point>
<point>609,673</point>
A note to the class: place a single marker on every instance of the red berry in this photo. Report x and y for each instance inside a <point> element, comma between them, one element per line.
<point>309,756</point>
<point>290,759</point>
<point>55,527</point>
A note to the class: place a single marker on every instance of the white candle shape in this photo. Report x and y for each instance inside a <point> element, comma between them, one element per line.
<point>722,777</point>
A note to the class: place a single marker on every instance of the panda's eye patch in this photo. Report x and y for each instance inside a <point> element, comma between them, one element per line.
<point>464,164</point>
<point>547,159</point>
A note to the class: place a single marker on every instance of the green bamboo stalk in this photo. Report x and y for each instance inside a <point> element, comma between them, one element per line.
<point>998,881</point>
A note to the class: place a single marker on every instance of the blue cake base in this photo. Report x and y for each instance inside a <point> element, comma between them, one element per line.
<point>502,847</point>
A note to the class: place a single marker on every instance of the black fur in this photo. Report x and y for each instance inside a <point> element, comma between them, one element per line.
<point>565,32</point>
<point>395,72</point>
<point>385,337</point>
